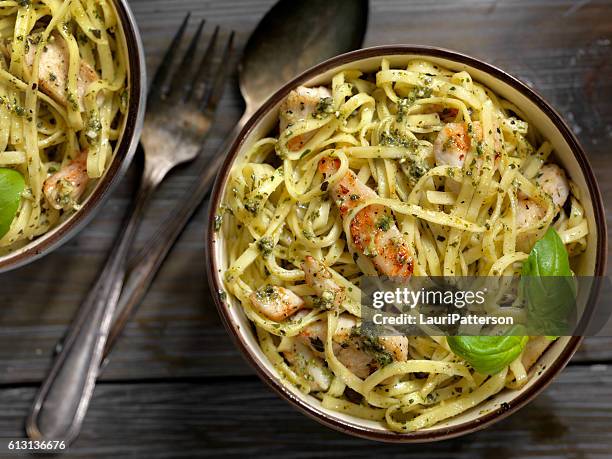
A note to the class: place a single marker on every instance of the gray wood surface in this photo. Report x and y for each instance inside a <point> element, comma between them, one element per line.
<point>243,419</point>
<point>176,386</point>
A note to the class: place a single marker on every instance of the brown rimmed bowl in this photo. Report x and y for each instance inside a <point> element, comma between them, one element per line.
<point>568,153</point>
<point>125,147</point>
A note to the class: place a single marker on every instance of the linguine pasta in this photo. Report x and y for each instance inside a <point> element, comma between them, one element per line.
<point>418,171</point>
<point>62,103</point>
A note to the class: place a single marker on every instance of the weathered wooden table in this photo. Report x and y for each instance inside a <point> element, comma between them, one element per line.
<point>177,387</point>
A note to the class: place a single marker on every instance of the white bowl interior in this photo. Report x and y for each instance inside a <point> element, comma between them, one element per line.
<point>585,264</point>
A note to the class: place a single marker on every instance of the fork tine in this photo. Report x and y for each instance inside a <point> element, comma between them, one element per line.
<point>183,72</point>
<point>158,85</point>
<point>202,76</point>
<point>212,97</point>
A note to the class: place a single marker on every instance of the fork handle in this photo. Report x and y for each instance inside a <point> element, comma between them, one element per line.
<point>62,401</point>
<point>146,264</point>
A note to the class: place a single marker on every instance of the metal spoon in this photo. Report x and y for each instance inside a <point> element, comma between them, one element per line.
<point>290,38</point>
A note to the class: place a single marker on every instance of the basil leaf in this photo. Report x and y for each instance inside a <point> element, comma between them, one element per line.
<point>12,185</point>
<point>547,285</point>
<point>548,257</point>
<point>488,354</point>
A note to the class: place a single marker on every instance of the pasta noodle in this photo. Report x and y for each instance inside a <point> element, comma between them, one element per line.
<point>63,98</point>
<point>454,173</point>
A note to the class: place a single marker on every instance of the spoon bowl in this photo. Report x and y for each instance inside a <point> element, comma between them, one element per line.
<point>294,36</point>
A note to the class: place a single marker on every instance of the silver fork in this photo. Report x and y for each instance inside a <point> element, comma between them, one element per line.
<point>181,106</point>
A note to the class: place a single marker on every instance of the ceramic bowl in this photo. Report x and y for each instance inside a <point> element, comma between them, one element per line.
<point>568,152</point>
<point>124,151</point>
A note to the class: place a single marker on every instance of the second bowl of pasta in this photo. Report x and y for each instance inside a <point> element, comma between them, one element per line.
<point>72,94</point>
<point>404,162</point>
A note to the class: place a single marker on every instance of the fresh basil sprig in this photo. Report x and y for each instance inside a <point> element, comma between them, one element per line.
<point>12,185</point>
<point>548,287</point>
<point>549,290</point>
<point>489,354</point>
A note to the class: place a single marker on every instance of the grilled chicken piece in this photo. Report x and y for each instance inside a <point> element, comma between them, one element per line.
<point>276,303</point>
<point>373,230</point>
<point>64,188</point>
<point>360,353</point>
<point>300,104</point>
<point>53,71</point>
<point>305,362</point>
<point>318,276</point>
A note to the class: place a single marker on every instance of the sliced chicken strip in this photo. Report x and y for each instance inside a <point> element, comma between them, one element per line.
<point>553,181</point>
<point>454,142</point>
<point>276,303</point>
<point>301,104</point>
<point>301,358</point>
<point>373,230</point>
<point>64,188</point>
<point>318,276</point>
<point>53,71</point>
<point>360,353</point>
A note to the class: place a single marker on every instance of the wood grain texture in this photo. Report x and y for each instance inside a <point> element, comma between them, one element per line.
<point>572,419</point>
<point>560,47</point>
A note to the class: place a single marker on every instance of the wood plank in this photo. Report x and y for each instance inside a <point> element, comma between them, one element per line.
<point>242,418</point>
<point>562,49</point>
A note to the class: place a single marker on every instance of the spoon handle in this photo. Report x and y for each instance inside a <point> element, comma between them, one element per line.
<point>146,263</point>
